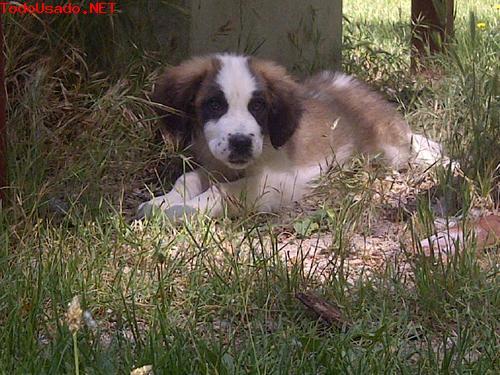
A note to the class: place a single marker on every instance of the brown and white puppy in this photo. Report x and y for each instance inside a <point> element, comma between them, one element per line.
<point>265,137</point>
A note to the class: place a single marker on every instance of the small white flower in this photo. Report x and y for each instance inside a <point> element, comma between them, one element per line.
<point>144,370</point>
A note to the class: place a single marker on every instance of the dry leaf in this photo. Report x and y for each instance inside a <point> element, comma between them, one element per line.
<point>486,231</point>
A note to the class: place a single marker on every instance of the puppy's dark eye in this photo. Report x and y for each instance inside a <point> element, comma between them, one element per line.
<point>215,105</point>
<point>257,105</point>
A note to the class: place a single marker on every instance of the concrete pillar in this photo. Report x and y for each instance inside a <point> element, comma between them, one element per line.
<point>304,35</point>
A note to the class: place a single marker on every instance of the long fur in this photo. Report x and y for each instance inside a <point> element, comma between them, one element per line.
<point>269,136</point>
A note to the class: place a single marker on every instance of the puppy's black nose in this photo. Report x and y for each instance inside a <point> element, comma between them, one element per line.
<point>240,144</point>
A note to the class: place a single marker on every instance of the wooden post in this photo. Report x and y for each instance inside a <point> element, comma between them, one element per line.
<point>432,22</point>
<point>3,128</point>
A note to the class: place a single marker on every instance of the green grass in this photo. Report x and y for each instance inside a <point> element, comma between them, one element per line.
<point>218,297</point>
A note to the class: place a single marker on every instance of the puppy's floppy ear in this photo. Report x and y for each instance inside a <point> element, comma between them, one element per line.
<point>284,96</point>
<point>176,89</point>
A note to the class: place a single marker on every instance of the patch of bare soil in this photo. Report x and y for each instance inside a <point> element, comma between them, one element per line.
<point>390,233</point>
<point>382,235</point>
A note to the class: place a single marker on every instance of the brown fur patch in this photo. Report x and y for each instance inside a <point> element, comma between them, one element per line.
<point>284,95</point>
<point>346,119</point>
<point>177,89</point>
<point>372,120</point>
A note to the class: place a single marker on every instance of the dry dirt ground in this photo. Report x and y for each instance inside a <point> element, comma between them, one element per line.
<point>387,233</point>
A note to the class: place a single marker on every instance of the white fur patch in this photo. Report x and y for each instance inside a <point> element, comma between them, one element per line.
<point>238,84</point>
<point>342,81</point>
<point>236,80</point>
<point>424,150</point>
<point>281,189</point>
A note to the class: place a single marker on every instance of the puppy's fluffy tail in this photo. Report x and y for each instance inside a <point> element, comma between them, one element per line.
<point>426,152</point>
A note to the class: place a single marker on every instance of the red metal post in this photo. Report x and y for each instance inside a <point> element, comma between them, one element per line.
<point>432,22</point>
<point>3,127</point>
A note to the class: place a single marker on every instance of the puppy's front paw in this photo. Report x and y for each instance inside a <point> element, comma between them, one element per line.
<point>146,209</point>
<point>175,212</point>
<point>179,211</point>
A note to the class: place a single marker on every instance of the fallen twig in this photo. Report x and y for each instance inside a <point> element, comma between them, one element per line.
<point>328,313</point>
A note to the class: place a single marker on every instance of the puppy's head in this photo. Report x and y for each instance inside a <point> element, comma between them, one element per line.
<point>235,104</point>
